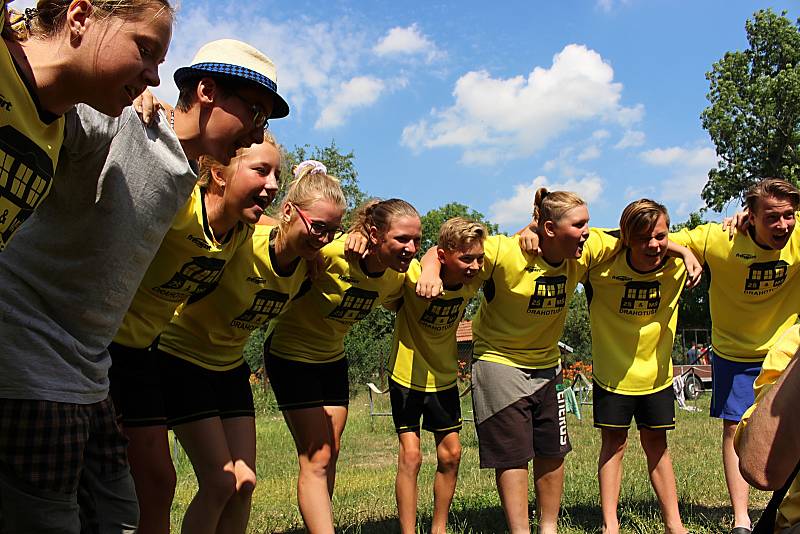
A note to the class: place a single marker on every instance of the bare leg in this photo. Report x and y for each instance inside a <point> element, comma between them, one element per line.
<point>153,475</point>
<point>241,435</point>
<point>609,471</point>
<point>548,479</point>
<point>409,461</point>
<point>317,434</point>
<point>659,465</point>
<point>448,458</point>
<point>206,445</point>
<point>738,489</point>
<point>512,485</point>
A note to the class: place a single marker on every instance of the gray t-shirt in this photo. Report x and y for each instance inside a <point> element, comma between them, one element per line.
<point>70,273</point>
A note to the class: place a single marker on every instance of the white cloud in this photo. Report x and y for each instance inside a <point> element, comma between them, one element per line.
<point>590,152</point>
<point>358,92</point>
<point>319,63</point>
<point>631,138</point>
<point>407,42</point>
<point>517,209</point>
<point>608,5</point>
<point>688,174</point>
<point>505,118</point>
<point>599,135</point>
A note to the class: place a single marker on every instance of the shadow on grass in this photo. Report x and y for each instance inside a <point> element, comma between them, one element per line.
<point>635,516</point>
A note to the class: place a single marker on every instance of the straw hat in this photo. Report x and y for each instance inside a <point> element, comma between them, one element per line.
<point>234,59</point>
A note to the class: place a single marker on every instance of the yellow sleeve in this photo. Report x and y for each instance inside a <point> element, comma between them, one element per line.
<point>601,245</point>
<point>695,239</point>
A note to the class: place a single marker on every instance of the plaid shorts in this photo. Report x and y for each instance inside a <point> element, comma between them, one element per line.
<point>45,444</point>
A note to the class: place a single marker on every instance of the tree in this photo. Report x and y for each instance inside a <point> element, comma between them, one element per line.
<point>577,333</point>
<point>754,112</point>
<point>433,220</point>
<point>341,165</point>
<point>693,306</point>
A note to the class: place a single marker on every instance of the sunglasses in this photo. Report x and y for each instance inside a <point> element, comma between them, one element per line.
<point>260,119</point>
<point>318,228</point>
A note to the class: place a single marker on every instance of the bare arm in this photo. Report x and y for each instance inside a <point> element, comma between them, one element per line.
<point>429,284</point>
<point>693,268</point>
<point>769,443</point>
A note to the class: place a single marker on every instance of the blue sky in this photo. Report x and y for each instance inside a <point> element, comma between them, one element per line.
<point>482,102</point>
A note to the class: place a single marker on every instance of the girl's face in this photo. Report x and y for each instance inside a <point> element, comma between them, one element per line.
<point>570,232</point>
<point>312,228</point>
<point>120,56</point>
<point>251,182</point>
<point>397,247</point>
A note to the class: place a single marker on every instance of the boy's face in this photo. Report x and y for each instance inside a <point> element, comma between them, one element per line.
<point>773,221</point>
<point>461,265</point>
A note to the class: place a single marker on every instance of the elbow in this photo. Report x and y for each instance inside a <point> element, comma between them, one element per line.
<point>758,475</point>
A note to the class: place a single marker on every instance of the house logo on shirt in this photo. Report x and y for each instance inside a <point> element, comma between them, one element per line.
<point>26,172</point>
<point>196,278</point>
<point>442,314</point>
<point>5,104</point>
<point>549,295</point>
<point>266,305</point>
<point>640,298</point>
<point>765,277</point>
<point>356,304</point>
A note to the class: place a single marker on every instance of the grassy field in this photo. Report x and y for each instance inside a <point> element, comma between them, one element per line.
<point>364,498</point>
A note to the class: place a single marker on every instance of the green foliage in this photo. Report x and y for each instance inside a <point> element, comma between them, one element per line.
<point>754,112</point>
<point>254,349</point>
<point>577,333</point>
<point>367,346</point>
<point>433,220</point>
<point>693,308</point>
<point>341,165</point>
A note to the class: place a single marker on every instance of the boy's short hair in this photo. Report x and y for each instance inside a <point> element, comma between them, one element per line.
<point>640,216</point>
<point>771,187</point>
<point>459,233</point>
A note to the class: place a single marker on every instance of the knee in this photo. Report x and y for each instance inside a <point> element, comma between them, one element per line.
<point>246,485</point>
<point>156,483</point>
<point>615,441</point>
<point>219,486</point>
<point>410,460</point>
<point>449,458</point>
<point>318,462</point>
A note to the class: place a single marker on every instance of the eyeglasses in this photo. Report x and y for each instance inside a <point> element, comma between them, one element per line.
<point>260,119</point>
<point>318,228</point>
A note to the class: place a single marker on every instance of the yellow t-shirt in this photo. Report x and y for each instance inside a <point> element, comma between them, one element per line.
<point>30,139</point>
<point>633,316</point>
<point>524,304</point>
<point>313,328</point>
<point>213,331</point>
<point>424,352</point>
<point>753,295</point>
<point>775,363</point>
<point>188,265</point>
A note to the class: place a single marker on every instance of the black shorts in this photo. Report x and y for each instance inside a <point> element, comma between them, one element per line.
<point>300,385</point>
<point>654,411</point>
<point>136,387</point>
<point>440,411</point>
<point>520,414</point>
<point>193,392</point>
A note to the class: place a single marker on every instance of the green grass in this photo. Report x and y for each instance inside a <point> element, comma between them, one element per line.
<point>364,498</point>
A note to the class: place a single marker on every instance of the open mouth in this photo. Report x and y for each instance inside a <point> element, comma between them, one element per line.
<point>261,202</point>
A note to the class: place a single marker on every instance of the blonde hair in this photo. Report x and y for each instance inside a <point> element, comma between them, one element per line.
<point>639,217</point>
<point>50,16</point>
<point>771,187</point>
<point>380,213</point>
<point>460,233</point>
<point>551,206</point>
<point>208,164</point>
<point>308,188</point>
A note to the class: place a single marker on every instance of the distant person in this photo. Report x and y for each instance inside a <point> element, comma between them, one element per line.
<point>753,302</point>
<point>768,437</point>
<point>423,370</point>
<point>691,354</point>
